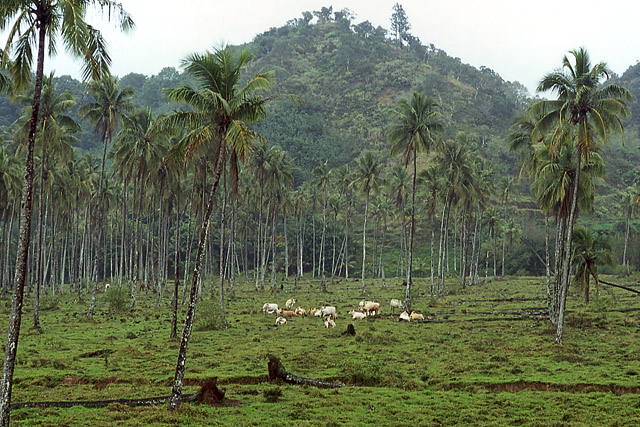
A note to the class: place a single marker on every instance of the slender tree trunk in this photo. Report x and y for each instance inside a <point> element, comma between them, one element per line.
<point>40,258</point>
<point>567,252</point>
<point>412,232</point>
<point>223,224</point>
<point>625,261</point>
<point>191,308</point>
<point>433,238</point>
<point>286,246</point>
<point>22,255</point>
<point>323,248</point>
<point>176,281</point>
<point>364,239</point>
<point>548,269</point>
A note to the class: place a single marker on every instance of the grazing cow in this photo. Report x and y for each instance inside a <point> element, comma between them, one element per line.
<point>330,323</point>
<point>371,308</point>
<point>280,321</point>
<point>328,311</point>
<point>269,308</point>
<point>415,316</point>
<point>300,311</point>
<point>290,303</point>
<point>357,315</point>
<point>405,316</point>
<point>396,303</point>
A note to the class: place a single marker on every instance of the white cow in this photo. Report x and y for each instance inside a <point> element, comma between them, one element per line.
<point>280,321</point>
<point>405,316</point>
<point>269,308</point>
<point>396,303</point>
<point>357,315</point>
<point>290,303</point>
<point>328,311</point>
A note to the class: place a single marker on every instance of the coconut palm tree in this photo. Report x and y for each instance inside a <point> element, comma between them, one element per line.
<point>367,179</point>
<point>105,112</point>
<point>221,110</point>
<point>588,112</point>
<point>321,178</point>
<point>54,136</point>
<point>414,128</point>
<point>41,24</point>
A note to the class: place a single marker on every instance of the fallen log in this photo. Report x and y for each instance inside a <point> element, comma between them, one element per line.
<point>277,372</point>
<point>209,393</point>
<point>619,286</point>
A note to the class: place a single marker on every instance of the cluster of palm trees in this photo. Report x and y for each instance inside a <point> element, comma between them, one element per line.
<point>100,220</point>
<point>559,141</point>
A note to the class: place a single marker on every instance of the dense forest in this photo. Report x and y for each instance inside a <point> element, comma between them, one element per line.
<point>326,148</point>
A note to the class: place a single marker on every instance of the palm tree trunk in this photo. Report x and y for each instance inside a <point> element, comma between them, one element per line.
<point>625,261</point>
<point>567,252</point>
<point>176,281</point>
<point>24,240</point>
<point>323,248</point>
<point>191,308</point>
<point>412,232</point>
<point>364,239</point>
<point>223,224</point>
<point>40,257</point>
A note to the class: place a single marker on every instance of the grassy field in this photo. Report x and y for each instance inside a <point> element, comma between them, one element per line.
<point>484,357</point>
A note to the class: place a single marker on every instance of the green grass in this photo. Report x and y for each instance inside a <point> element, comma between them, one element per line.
<point>485,358</point>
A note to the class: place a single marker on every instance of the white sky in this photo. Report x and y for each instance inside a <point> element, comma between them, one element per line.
<point>519,39</point>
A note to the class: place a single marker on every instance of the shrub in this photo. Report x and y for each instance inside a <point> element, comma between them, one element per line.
<point>208,317</point>
<point>116,298</point>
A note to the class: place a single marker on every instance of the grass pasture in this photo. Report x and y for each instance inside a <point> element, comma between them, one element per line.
<point>485,356</point>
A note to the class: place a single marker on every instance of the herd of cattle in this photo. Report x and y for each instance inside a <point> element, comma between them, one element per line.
<point>328,313</point>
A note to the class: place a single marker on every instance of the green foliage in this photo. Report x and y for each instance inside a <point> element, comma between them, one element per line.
<point>117,298</point>
<point>208,316</point>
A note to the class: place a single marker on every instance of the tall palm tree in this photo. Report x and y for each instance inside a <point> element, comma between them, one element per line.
<point>279,182</point>
<point>138,151</point>
<point>367,179</point>
<point>414,128</point>
<point>589,252</point>
<point>221,111</point>
<point>54,136</point>
<point>589,112</point>
<point>321,177</point>
<point>105,112</point>
<point>40,24</point>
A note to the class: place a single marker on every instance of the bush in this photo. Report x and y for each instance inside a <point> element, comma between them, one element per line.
<point>116,297</point>
<point>208,317</point>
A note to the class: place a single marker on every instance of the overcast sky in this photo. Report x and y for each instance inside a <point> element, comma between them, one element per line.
<point>519,39</point>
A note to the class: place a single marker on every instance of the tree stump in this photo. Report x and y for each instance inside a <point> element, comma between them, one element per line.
<point>351,330</point>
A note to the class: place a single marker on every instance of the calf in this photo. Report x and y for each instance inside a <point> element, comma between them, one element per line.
<point>280,321</point>
<point>405,316</point>
<point>300,311</point>
<point>330,323</point>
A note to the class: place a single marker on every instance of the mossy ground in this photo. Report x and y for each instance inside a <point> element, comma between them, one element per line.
<point>485,357</point>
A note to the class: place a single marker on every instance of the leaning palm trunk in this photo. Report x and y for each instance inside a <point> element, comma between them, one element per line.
<point>567,253</point>
<point>24,241</point>
<point>191,308</point>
